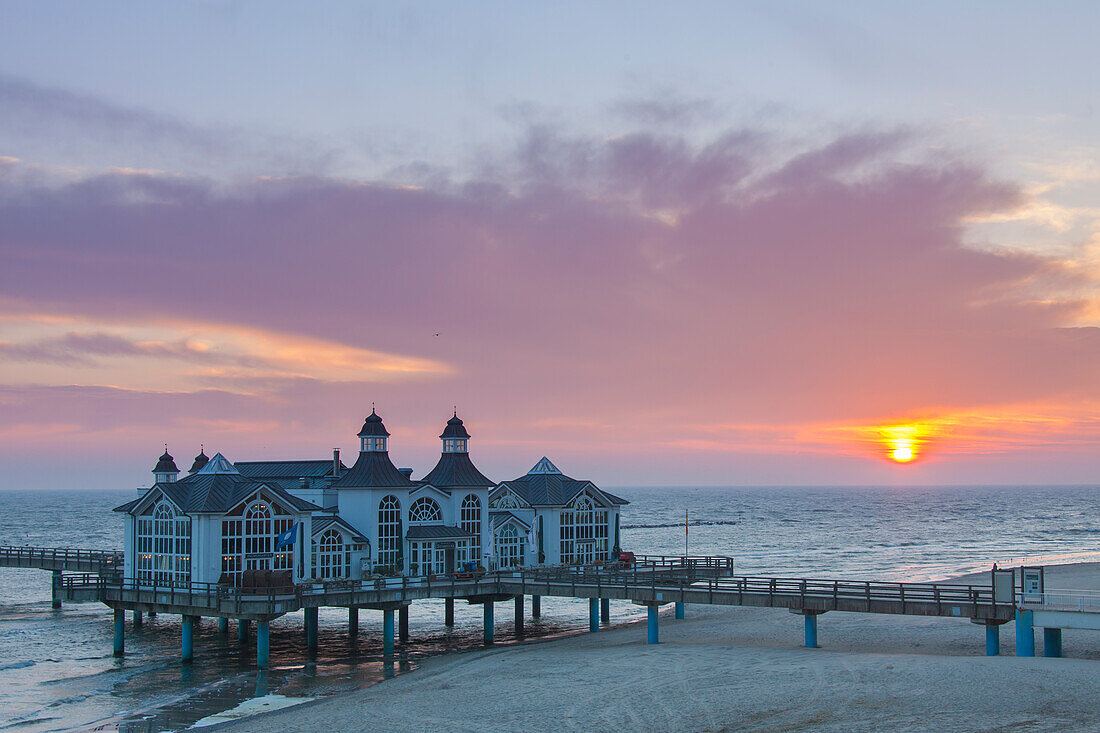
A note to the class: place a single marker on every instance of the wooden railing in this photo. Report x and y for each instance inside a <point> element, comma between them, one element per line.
<point>51,557</point>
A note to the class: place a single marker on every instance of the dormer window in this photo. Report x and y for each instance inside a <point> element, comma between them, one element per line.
<point>372,444</point>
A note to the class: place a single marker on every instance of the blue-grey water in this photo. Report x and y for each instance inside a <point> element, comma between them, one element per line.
<point>57,671</point>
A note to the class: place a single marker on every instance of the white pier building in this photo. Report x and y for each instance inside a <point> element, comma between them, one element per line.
<point>320,519</point>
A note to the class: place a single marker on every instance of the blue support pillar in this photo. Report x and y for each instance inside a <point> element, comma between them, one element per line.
<point>653,634</point>
<point>811,630</point>
<point>311,628</point>
<point>1025,634</point>
<point>487,617</point>
<point>223,625</point>
<point>137,618</point>
<point>187,639</point>
<point>680,611</point>
<point>353,622</point>
<point>605,610</point>
<point>593,614</point>
<point>1052,642</point>
<point>120,631</point>
<point>992,640</point>
<point>387,632</point>
<point>242,630</point>
<point>536,606</point>
<point>263,643</point>
<point>56,589</point>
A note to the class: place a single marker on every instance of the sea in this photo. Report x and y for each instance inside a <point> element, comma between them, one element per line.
<point>57,671</point>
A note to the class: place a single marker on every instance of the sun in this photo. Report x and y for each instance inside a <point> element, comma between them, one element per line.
<point>902,454</point>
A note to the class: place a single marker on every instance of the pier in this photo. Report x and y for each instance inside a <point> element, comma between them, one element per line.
<point>651,581</point>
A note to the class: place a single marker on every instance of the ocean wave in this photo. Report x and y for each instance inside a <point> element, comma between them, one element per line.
<point>697,523</point>
<point>16,665</point>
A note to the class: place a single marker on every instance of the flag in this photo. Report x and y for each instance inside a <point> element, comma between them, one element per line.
<point>287,538</point>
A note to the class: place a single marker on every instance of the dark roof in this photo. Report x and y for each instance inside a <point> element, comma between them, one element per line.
<point>456,470</point>
<point>372,426</point>
<point>320,524</point>
<point>374,469</point>
<point>166,464</point>
<point>436,532</point>
<point>286,469</point>
<point>454,428</point>
<point>200,461</point>
<point>547,486</point>
<point>500,516</point>
<point>128,505</point>
<point>216,488</point>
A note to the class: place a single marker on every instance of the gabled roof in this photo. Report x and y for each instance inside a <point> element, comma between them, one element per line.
<point>286,469</point>
<point>498,517</point>
<point>320,524</point>
<point>436,532</point>
<point>216,492</point>
<point>456,470</point>
<point>374,470</point>
<point>545,485</point>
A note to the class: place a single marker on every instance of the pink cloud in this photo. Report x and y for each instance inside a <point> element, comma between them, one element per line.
<point>636,284</point>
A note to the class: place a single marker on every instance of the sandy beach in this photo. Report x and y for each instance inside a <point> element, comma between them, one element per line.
<point>738,669</point>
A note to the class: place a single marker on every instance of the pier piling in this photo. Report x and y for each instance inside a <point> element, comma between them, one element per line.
<point>653,631</point>
<point>1052,642</point>
<point>353,621</point>
<point>311,628</point>
<point>680,611</point>
<point>605,610</point>
<point>593,614</point>
<point>120,630</point>
<point>992,640</point>
<point>56,587</point>
<point>242,630</point>
<point>403,623</point>
<point>387,632</point>
<point>187,638</point>
<point>223,624</point>
<point>449,611</point>
<point>137,618</point>
<point>536,606</point>
<point>1025,634</point>
<point>519,615</point>
<point>811,630</point>
<point>263,643</point>
<point>487,617</point>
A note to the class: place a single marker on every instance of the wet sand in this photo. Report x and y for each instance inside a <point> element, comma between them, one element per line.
<point>739,669</point>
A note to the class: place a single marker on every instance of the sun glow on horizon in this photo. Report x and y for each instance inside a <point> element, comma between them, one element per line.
<point>902,442</point>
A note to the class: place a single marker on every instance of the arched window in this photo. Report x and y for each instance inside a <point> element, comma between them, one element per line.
<point>470,520</point>
<point>333,556</point>
<point>584,532</point>
<point>509,547</point>
<point>249,531</point>
<point>389,531</point>
<point>164,546</point>
<point>425,510</point>
<point>506,502</point>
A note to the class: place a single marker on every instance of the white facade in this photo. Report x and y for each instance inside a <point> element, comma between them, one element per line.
<point>222,523</point>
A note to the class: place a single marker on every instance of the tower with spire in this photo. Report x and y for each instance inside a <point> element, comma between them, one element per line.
<point>165,471</point>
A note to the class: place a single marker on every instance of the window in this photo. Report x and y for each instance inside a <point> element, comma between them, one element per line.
<point>389,531</point>
<point>454,446</point>
<point>509,547</point>
<point>583,532</point>
<point>333,556</point>
<point>373,444</point>
<point>425,510</point>
<point>506,502</point>
<point>470,520</point>
<point>249,533</point>
<point>164,546</point>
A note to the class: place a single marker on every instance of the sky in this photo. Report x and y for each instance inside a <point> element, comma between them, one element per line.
<point>662,244</point>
